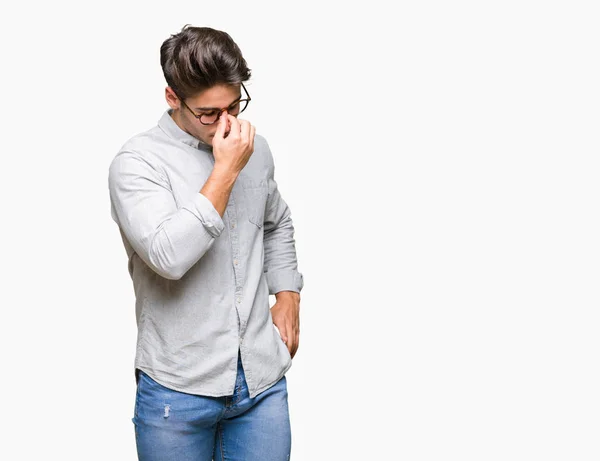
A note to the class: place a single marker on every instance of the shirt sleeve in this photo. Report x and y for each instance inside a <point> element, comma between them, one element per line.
<point>168,239</point>
<point>280,263</point>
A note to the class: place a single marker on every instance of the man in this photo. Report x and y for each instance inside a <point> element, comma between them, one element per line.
<point>208,237</point>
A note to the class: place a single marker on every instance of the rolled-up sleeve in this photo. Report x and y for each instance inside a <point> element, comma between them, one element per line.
<point>280,262</point>
<point>205,212</point>
<point>169,239</point>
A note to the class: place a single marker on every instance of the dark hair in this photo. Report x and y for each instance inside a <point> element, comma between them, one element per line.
<point>198,58</point>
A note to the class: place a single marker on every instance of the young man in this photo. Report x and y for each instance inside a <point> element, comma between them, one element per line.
<point>208,237</point>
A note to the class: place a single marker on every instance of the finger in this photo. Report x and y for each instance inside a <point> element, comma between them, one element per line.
<point>244,129</point>
<point>296,332</point>
<point>252,135</point>
<point>235,125</point>
<point>291,343</point>
<point>296,341</point>
<point>222,126</point>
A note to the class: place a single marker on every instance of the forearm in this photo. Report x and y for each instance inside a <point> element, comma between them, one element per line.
<point>179,242</point>
<point>218,186</point>
<point>168,237</point>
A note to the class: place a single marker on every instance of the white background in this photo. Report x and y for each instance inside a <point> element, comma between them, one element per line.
<point>441,160</point>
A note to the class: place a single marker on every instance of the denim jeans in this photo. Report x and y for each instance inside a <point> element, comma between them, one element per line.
<point>172,425</point>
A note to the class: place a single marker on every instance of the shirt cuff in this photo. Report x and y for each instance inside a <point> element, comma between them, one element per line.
<point>284,280</point>
<point>205,211</point>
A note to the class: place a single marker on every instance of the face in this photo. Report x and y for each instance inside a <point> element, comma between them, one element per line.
<point>214,98</point>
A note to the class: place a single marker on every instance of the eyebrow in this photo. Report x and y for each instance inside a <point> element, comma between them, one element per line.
<point>217,108</point>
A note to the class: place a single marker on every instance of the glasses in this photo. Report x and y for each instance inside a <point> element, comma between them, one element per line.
<point>212,116</point>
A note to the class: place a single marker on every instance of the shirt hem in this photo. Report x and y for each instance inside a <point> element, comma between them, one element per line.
<point>185,391</point>
<point>272,383</point>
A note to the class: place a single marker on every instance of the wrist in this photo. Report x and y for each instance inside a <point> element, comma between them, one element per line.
<point>223,173</point>
<point>288,294</point>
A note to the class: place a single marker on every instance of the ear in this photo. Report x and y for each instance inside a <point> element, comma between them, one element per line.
<point>172,99</point>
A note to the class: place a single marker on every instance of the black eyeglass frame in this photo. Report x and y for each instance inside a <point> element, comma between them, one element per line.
<point>237,101</point>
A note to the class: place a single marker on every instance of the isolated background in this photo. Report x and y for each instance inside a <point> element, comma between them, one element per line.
<point>441,162</point>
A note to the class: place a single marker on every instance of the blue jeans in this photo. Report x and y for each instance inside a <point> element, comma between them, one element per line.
<point>172,425</point>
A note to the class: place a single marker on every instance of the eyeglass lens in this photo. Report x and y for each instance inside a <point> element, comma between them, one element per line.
<point>212,116</point>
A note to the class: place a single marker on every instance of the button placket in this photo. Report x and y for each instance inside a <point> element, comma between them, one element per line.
<point>238,269</point>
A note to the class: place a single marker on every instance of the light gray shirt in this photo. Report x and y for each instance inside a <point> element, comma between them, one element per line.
<point>202,281</point>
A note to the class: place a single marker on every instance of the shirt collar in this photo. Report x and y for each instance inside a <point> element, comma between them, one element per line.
<point>168,125</point>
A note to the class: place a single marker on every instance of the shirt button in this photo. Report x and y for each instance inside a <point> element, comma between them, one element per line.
<point>233,225</point>
<point>235,261</point>
<point>239,300</point>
